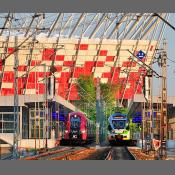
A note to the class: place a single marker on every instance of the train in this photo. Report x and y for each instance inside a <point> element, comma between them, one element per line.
<point>78,129</point>
<point>118,128</point>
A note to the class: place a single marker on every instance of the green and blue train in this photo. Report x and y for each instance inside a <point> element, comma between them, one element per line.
<point>118,128</point>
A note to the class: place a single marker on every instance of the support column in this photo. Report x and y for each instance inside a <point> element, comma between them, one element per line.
<point>16,110</point>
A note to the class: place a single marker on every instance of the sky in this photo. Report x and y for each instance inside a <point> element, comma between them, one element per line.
<point>169,35</point>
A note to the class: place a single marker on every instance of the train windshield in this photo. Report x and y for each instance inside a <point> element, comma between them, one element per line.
<point>118,124</point>
<point>75,122</point>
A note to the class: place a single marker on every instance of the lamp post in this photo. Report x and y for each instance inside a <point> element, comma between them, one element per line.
<point>16,109</point>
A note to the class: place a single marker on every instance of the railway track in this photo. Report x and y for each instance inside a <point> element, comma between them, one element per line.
<point>119,153</point>
<point>7,157</point>
<point>61,154</point>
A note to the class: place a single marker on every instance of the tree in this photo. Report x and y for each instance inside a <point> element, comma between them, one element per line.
<point>108,92</point>
<point>87,93</point>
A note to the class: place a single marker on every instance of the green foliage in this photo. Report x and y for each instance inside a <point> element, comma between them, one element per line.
<point>134,127</point>
<point>122,110</point>
<point>87,94</point>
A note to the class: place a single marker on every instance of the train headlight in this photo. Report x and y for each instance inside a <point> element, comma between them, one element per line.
<point>83,131</point>
<point>66,131</point>
<point>113,131</point>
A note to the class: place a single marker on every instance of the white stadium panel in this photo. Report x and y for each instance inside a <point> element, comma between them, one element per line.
<point>105,69</point>
<point>112,53</point>
<point>89,58</point>
<point>128,85</point>
<point>123,75</point>
<point>10,61</point>
<point>124,53</point>
<point>109,64</point>
<point>57,74</point>
<point>92,52</point>
<point>21,57</point>
<point>104,80</point>
<point>30,91</point>
<point>108,47</point>
<point>70,52</point>
<point>100,69</point>
<point>69,46</point>
<point>97,74</point>
<point>21,73</point>
<point>73,80</point>
<point>61,52</point>
<point>92,47</point>
<point>7,85</point>
<point>79,63</point>
<point>58,63</point>
<point>101,58</point>
<point>82,52</point>
<point>48,63</point>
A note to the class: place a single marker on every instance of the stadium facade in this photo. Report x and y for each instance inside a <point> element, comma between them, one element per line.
<point>107,60</point>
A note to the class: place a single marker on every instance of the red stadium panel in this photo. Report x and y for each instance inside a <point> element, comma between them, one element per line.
<point>31,86</point>
<point>110,58</point>
<point>41,88</point>
<point>1,64</point>
<point>115,77</point>
<point>100,63</point>
<point>31,77</point>
<point>41,74</point>
<point>22,68</point>
<point>8,77</point>
<point>78,71</point>
<point>59,68</point>
<point>68,63</point>
<point>89,64</point>
<point>139,89</point>
<point>87,72</point>
<point>11,50</point>
<point>134,76</point>
<point>62,89</point>
<point>103,52</point>
<point>129,64</point>
<point>73,92</point>
<point>7,91</point>
<point>81,46</point>
<point>106,75</point>
<point>34,62</point>
<point>59,58</point>
<point>48,54</point>
<point>151,48</point>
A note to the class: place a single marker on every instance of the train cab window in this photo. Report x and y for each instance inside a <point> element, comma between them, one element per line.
<point>109,128</point>
<point>127,127</point>
<point>118,124</point>
<point>75,122</point>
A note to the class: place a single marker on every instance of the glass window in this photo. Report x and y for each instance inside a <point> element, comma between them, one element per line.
<point>7,131</point>
<point>41,113</point>
<point>32,114</point>
<point>8,125</point>
<point>0,125</point>
<point>118,124</point>
<point>0,116</point>
<point>8,117</point>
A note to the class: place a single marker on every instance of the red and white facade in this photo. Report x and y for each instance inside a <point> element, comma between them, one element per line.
<point>107,60</point>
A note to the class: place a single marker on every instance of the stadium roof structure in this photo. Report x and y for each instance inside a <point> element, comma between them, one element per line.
<point>87,25</point>
<point>76,43</point>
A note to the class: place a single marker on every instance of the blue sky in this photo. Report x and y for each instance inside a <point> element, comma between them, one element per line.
<point>170,37</point>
